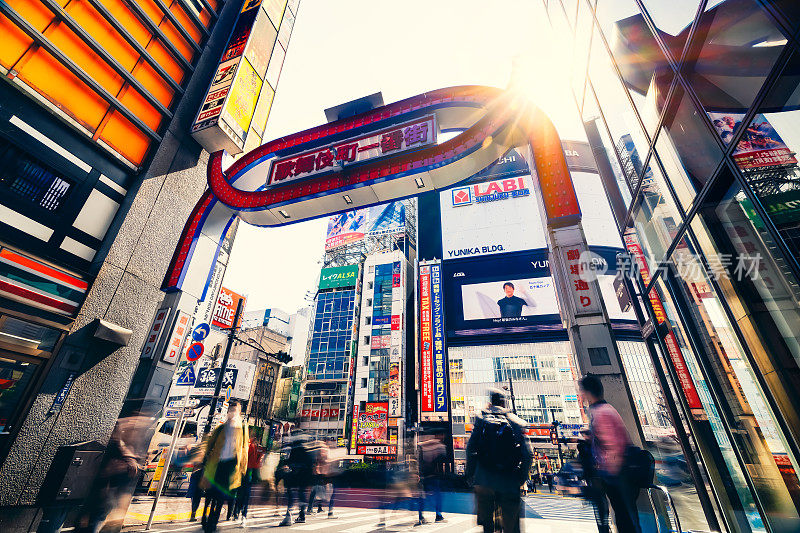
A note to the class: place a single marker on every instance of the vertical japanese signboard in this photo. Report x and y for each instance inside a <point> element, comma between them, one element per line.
<point>179,333</point>
<point>671,342</point>
<point>354,429</point>
<point>425,340</point>
<point>154,333</point>
<point>439,357</point>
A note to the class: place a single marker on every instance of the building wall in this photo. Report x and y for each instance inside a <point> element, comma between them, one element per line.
<point>131,186</point>
<point>694,121</point>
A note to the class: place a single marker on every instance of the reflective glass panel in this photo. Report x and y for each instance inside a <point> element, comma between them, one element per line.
<point>673,20</point>
<point>760,442</point>
<point>706,420</point>
<point>656,218</point>
<point>583,37</point>
<point>603,148</point>
<point>687,148</point>
<point>14,379</point>
<point>767,155</point>
<point>733,50</point>
<point>642,64</point>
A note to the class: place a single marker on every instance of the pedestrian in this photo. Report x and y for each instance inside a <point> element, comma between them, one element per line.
<point>610,441</point>
<point>297,477</point>
<point>432,458</point>
<point>225,464</point>
<point>498,461</point>
<point>255,456</point>
<point>593,491</point>
<point>195,493</point>
<point>550,481</point>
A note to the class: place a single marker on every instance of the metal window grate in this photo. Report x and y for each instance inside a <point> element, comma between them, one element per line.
<point>30,179</point>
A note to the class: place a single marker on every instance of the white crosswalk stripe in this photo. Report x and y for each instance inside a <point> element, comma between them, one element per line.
<point>559,508</point>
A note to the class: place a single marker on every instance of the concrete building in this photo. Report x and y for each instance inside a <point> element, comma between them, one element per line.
<point>100,170</point>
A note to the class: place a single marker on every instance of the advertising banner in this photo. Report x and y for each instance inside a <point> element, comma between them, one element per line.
<point>439,358</point>
<point>354,428</point>
<point>674,351</point>
<point>352,226</point>
<point>396,139</point>
<point>212,106</point>
<point>238,376</point>
<point>373,424</point>
<point>226,308</point>
<point>394,389</point>
<point>154,333</point>
<point>491,217</point>
<point>176,340</point>
<point>425,339</point>
<point>760,146</point>
<point>338,277</point>
<point>514,294</point>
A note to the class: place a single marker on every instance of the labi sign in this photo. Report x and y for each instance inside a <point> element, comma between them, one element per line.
<point>335,277</point>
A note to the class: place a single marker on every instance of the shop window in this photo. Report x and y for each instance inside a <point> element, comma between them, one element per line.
<point>29,179</point>
<point>753,419</point>
<point>15,377</point>
<point>766,155</point>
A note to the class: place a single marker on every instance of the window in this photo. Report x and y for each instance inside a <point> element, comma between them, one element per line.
<point>363,383</point>
<point>366,340</point>
<point>369,302</point>
<point>368,320</point>
<point>29,179</point>
<point>364,360</point>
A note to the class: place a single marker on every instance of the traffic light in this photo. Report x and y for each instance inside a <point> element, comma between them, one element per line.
<point>283,357</point>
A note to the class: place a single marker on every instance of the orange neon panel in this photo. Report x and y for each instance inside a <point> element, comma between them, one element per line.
<point>153,82</point>
<point>160,20</point>
<point>33,11</point>
<point>125,138</point>
<point>177,9</point>
<point>102,32</point>
<point>135,102</point>
<point>74,48</point>
<point>165,59</point>
<point>13,44</point>
<point>61,87</point>
<point>128,19</point>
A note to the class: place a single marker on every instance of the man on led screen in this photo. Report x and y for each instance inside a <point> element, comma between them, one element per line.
<point>510,306</point>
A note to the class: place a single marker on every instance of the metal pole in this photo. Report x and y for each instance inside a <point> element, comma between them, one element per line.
<point>218,386</point>
<point>511,391</point>
<point>176,430</point>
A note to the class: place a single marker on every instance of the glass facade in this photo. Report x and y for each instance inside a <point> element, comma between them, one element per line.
<point>694,105</point>
<point>332,335</point>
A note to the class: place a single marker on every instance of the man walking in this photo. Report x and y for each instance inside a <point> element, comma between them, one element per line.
<point>609,442</point>
<point>432,457</point>
<point>498,461</point>
<point>225,463</point>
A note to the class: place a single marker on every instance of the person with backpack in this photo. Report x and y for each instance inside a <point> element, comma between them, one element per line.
<point>297,477</point>
<point>498,461</point>
<point>612,448</point>
<point>432,458</point>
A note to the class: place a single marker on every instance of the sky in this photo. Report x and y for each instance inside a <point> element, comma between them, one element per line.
<point>343,50</point>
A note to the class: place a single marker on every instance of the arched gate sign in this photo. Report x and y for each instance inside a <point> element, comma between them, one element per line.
<point>390,153</point>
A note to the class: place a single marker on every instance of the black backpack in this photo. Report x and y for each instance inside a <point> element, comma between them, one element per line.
<point>500,445</point>
<point>640,467</point>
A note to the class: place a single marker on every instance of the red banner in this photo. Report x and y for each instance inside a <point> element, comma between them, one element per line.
<point>425,339</point>
<point>226,308</point>
<point>675,354</point>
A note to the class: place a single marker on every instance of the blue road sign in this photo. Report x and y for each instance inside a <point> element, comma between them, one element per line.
<point>201,332</point>
<point>187,377</point>
<point>195,351</point>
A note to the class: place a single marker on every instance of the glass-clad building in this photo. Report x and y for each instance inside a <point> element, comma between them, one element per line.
<point>691,108</point>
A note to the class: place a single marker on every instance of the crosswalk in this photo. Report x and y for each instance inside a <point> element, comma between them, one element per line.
<point>264,518</point>
<point>556,508</point>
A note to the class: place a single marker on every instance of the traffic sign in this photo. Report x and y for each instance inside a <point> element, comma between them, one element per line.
<point>195,351</point>
<point>201,332</point>
<point>228,393</point>
<point>187,377</point>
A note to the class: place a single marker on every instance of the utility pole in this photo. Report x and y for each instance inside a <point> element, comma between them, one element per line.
<point>218,386</point>
<point>511,392</point>
<point>556,437</point>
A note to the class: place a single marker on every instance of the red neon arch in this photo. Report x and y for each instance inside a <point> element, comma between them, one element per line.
<point>503,109</point>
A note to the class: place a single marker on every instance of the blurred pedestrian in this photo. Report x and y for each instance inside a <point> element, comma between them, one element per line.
<point>432,458</point>
<point>593,490</point>
<point>225,464</point>
<point>498,461</point>
<point>550,481</point>
<point>297,474</point>
<point>609,443</point>
<point>255,455</point>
